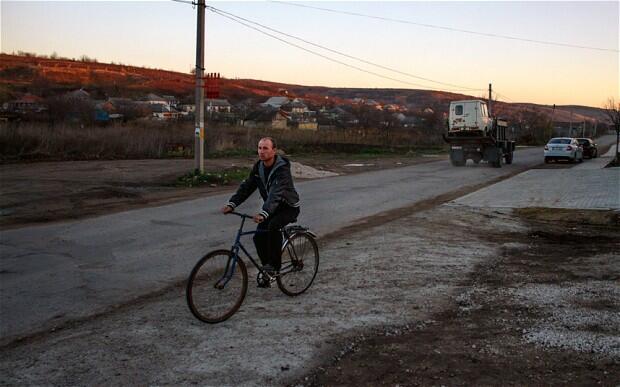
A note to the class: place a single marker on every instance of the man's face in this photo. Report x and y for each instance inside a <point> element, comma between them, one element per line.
<point>266,151</point>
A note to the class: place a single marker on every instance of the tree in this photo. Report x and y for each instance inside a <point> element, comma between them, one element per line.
<point>612,108</point>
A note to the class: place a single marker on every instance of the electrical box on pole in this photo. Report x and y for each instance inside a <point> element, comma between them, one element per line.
<point>212,85</point>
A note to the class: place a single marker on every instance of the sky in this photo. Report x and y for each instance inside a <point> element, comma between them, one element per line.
<point>162,34</point>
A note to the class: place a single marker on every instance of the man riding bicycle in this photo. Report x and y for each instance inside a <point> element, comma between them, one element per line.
<point>272,176</point>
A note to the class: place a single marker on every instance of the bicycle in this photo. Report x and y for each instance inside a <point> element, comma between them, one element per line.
<point>218,282</point>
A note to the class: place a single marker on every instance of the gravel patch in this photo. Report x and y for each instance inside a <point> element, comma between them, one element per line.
<point>574,317</point>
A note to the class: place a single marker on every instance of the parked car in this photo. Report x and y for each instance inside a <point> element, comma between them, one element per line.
<point>589,147</point>
<point>563,148</point>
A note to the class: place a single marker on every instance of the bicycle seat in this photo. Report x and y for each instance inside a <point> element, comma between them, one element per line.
<point>295,228</point>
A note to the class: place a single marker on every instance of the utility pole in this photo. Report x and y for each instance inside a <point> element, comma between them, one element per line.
<point>583,129</point>
<point>490,99</point>
<point>553,121</point>
<point>570,130</point>
<point>199,134</point>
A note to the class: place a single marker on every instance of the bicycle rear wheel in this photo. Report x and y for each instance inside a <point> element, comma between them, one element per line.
<point>300,263</point>
<point>211,296</point>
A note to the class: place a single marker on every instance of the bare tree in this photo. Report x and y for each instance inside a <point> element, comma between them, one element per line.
<point>612,108</point>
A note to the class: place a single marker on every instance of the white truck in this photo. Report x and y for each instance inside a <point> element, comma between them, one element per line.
<point>474,134</point>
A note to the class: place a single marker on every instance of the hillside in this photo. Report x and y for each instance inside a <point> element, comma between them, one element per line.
<point>45,77</point>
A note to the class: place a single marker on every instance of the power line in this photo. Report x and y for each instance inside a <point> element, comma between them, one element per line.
<point>216,11</point>
<point>330,58</point>
<point>463,88</point>
<point>504,97</point>
<point>450,28</point>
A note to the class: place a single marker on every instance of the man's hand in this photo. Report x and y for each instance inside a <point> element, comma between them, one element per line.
<point>258,218</point>
<point>226,209</point>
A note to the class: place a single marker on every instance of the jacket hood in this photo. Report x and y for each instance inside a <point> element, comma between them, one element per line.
<point>279,162</point>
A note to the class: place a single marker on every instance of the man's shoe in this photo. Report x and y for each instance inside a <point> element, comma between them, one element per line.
<point>269,270</point>
<point>263,283</point>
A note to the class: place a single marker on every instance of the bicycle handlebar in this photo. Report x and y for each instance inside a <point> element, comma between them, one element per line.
<point>241,215</point>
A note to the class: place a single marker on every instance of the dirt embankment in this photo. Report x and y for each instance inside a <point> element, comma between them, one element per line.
<point>546,310</point>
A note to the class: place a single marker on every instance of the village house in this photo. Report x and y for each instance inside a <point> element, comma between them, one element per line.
<point>27,103</point>
<point>217,106</point>
<point>154,99</point>
<point>267,119</point>
<point>275,102</point>
<point>295,106</point>
<point>164,112</point>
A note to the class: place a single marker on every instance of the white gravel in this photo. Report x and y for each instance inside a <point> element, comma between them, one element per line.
<point>570,321</point>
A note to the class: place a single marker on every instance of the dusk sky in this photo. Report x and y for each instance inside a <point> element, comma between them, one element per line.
<point>162,34</point>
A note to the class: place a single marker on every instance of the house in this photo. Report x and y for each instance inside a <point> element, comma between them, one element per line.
<point>373,104</point>
<point>275,102</point>
<point>27,103</point>
<point>393,108</point>
<point>295,106</point>
<point>171,100</point>
<point>77,95</point>
<point>154,99</point>
<point>268,118</point>
<point>164,112</point>
<point>187,108</point>
<point>217,106</point>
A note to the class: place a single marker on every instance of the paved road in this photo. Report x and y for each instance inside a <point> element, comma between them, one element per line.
<point>588,185</point>
<point>55,273</point>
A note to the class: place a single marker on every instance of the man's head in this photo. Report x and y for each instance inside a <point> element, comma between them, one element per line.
<point>267,150</point>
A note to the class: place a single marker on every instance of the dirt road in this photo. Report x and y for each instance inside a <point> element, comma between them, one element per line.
<point>444,296</point>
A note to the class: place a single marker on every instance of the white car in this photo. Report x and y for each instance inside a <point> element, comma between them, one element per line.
<point>563,148</point>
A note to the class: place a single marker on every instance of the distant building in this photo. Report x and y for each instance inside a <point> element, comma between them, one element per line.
<point>27,103</point>
<point>217,106</point>
<point>275,102</point>
<point>295,106</point>
<point>154,99</point>
<point>164,112</point>
<point>269,118</point>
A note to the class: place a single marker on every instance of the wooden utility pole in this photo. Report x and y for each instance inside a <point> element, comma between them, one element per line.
<point>490,99</point>
<point>199,112</point>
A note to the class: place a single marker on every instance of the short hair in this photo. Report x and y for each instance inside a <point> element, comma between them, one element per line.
<point>273,142</point>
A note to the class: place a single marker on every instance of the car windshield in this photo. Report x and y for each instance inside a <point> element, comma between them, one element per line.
<point>559,141</point>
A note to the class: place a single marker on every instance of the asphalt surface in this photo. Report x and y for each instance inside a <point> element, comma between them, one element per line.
<point>57,273</point>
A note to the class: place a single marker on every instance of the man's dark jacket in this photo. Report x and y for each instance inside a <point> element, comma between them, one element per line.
<point>274,189</point>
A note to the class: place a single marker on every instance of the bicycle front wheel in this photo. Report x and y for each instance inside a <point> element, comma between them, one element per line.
<point>300,263</point>
<point>216,287</point>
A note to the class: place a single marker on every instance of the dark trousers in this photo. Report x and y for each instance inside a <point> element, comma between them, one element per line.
<point>268,239</point>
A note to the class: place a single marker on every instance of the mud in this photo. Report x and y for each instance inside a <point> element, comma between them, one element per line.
<point>545,310</point>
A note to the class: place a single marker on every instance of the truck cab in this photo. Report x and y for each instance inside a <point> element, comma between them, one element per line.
<point>474,135</point>
<point>469,115</point>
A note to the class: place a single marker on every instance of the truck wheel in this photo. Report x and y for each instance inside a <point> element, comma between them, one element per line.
<point>497,164</point>
<point>547,160</point>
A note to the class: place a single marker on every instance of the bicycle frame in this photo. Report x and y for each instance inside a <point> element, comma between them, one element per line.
<point>237,246</point>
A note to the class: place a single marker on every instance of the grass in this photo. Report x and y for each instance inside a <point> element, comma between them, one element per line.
<point>153,139</point>
<point>196,179</point>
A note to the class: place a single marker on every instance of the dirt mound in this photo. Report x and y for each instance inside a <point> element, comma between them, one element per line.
<point>301,171</point>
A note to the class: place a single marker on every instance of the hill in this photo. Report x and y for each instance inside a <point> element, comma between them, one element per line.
<point>50,76</point>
